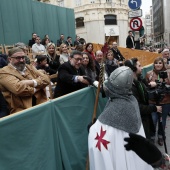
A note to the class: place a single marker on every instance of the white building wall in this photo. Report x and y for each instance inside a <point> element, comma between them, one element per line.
<point>93,11</point>
<point>123,30</point>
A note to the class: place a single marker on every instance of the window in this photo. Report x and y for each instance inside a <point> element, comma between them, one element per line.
<point>110,19</point>
<point>79,22</point>
<point>61,3</point>
<point>77,2</point>
<point>108,1</point>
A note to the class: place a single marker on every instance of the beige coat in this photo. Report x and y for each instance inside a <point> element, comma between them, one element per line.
<point>18,94</point>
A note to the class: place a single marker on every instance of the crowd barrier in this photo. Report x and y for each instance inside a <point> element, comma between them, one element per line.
<point>50,136</point>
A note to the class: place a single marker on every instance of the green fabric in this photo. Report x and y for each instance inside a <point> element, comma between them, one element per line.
<point>19,19</point>
<point>71,24</point>
<point>53,28</point>
<point>9,22</point>
<point>146,69</point>
<point>25,20</point>
<point>62,13</point>
<point>51,136</point>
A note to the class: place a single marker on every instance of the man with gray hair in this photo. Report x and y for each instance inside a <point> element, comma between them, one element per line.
<point>166,57</point>
<point>22,85</point>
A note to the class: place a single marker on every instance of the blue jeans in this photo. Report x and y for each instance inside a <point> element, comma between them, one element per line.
<point>155,117</point>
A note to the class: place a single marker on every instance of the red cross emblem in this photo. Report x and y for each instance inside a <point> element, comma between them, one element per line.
<point>101,140</point>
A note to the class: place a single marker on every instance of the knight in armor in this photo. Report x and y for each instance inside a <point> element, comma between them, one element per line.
<point>120,117</point>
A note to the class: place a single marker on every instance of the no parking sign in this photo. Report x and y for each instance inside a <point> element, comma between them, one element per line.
<point>135,24</point>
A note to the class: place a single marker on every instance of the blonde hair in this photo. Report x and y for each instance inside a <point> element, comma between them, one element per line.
<point>61,47</point>
<point>48,45</point>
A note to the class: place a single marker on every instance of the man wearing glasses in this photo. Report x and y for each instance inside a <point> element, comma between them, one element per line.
<point>71,75</point>
<point>21,84</point>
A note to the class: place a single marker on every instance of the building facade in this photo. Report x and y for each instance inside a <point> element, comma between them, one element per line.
<point>148,29</point>
<point>158,22</point>
<point>166,7</point>
<point>99,20</point>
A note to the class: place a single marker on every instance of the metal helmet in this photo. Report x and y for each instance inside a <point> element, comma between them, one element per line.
<point>120,81</point>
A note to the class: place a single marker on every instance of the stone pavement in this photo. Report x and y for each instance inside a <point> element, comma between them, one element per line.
<point>167,132</point>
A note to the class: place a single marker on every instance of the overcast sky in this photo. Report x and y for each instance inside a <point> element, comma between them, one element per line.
<point>146,6</point>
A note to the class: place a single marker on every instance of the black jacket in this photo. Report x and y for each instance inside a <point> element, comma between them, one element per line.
<point>109,68</point>
<point>139,91</point>
<point>65,79</point>
<point>117,55</point>
<point>129,43</point>
<point>53,64</point>
<point>59,42</point>
<point>31,42</point>
<point>4,111</point>
<point>68,44</point>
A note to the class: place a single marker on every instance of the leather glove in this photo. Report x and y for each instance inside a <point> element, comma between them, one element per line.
<point>90,124</point>
<point>143,148</point>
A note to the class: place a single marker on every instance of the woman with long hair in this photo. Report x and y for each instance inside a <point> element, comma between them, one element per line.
<point>64,54</point>
<point>52,58</point>
<point>89,49</point>
<point>152,76</point>
<point>111,63</point>
<point>88,64</point>
<point>45,41</point>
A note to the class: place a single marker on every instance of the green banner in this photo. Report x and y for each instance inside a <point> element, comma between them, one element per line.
<point>20,18</point>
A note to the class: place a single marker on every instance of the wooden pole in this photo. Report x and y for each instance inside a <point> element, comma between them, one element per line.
<point>96,103</point>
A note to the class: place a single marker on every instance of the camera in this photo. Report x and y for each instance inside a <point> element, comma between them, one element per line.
<point>161,89</point>
<point>163,74</point>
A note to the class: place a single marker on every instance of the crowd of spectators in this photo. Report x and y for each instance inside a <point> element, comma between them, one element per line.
<point>23,79</point>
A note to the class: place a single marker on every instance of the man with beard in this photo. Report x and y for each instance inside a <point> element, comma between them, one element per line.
<point>21,84</point>
<point>139,91</point>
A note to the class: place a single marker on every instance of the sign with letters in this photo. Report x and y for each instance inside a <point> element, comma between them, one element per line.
<point>134,4</point>
<point>135,24</point>
<point>135,13</point>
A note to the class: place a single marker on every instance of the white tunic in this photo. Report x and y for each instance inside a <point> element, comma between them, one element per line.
<point>113,155</point>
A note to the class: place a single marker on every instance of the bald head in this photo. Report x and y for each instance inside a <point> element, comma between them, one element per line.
<point>99,56</point>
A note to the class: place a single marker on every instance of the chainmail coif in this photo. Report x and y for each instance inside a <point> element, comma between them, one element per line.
<point>122,110</point>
